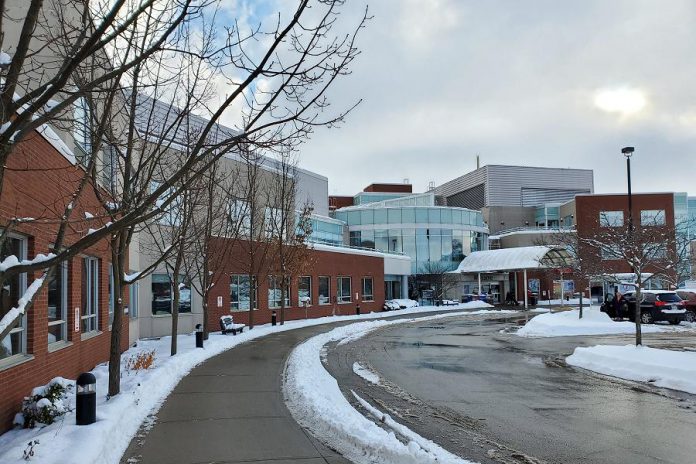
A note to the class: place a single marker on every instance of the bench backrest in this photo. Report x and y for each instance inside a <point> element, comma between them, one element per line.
<point>226,322</point>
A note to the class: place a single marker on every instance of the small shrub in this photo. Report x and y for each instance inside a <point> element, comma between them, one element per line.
<point>46,403</point>
<point>141,361</point>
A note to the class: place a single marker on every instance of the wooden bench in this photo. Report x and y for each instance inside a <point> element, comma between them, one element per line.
<point>227,325</point>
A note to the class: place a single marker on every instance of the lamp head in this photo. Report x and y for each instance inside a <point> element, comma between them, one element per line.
<point>627,151</point>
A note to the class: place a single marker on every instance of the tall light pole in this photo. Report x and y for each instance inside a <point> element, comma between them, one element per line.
<point>628,152</point>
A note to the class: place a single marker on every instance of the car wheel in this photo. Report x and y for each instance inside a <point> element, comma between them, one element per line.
<point>646,317</point>
<point>689,316</point>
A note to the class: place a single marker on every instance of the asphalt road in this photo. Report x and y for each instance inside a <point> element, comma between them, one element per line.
<point>494,397</point>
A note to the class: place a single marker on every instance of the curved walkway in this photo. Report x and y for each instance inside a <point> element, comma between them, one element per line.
<point>230,409</point>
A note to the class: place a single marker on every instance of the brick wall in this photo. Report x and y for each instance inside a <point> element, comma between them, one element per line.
<point>39,182</point>
<point>325,263</point>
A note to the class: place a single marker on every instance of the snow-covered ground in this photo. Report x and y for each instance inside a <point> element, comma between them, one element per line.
<point>563,302</point>
<point>142,393</point>
<point>316,402</point>
<point>593,322</point>
<point>663,368</point>
<point>365,373</point>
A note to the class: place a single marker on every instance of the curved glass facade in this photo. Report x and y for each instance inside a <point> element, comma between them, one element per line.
<point>435,238</point>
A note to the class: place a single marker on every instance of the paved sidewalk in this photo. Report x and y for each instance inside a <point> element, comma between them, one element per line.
<point>230,409</point>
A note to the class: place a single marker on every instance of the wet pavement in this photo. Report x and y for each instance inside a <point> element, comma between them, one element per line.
<point>494,397</point>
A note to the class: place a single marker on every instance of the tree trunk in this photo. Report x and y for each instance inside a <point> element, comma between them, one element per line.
<point>282,301</point>
<point>252,300</point>
<point>581,293</point>
<point>637,314</point>
<point>175,312</point>
<point>205,317</point>
<point>115,346</point>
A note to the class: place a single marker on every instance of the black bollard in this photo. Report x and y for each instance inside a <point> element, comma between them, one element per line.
<point>86,399</point>
<point>199,336</point>
<point>357,309</point>
<point>274,318</point>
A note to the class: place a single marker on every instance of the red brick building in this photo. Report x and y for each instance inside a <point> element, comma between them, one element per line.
<point>67,329</point>
<point>339,280</point>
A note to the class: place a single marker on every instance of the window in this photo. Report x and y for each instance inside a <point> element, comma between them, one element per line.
<point>58,304</point>
<point>343,293</point>
<point>655,251</point>
<point>272,220</point>
<point>90,294</point>
<point>368,293</point>
<point>324,290</point>
<point>304,291</point>
<point>171,214</point>
<point>12,290</point>
<point>240,216</point>
<point>240,292</point>
<point>162,295</point>
<point>111,294</point>
<point>611,218</point>
<point>611,253</point>
<point>652,217</point>
<point>109,168</point>
<point>133,299</point>
<point>274,292</point>
<point>82,119</point>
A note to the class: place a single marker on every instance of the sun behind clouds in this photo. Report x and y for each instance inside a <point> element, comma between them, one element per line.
<point>625,101</point>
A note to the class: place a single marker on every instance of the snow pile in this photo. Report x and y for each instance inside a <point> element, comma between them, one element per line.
<point>403,303</point>
<point>142,393</point>
<point>663,368</point>
<point>316,402</point>
<point>365,373</point>
<point>593,322</point>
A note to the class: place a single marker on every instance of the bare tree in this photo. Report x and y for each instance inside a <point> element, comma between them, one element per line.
<point>288,228</point>
<point>108,55</point>
<point>436,275</point>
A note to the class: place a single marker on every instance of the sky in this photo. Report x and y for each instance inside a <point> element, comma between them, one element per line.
<point>536,83</point>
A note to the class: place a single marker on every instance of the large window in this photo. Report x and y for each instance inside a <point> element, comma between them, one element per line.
<point>324,290</point>
<point>240,293</point>
<point>133,299</point>
<point>652,217</point>
<point>82,128</point>
<point>110,168</point>
<point>343,290</point>
<point>58,304</point>
<point>12,290</point>
<point>611,253</point>
<point>274,292</point>
<point>240,216</point>
<point>112,303</point>
<point>611,218</point>
<point>171,213</point>
<point>162,295</point>
<point>368,292</point>
<point>90,294</point>
<point>304,291</point>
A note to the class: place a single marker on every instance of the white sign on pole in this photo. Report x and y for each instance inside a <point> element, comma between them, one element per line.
<point>77,319</point>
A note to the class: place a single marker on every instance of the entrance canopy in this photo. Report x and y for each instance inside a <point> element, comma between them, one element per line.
<point>514,259</point>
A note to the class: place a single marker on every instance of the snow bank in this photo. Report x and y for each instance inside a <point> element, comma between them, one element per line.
<point>142,393</point>
<point>663,368</point>
<point>316,402</point>
<point>365,373</point>
<point>593,322</point>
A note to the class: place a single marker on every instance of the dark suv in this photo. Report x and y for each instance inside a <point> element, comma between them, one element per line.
<point>689,297</point>
<point>657,305</point>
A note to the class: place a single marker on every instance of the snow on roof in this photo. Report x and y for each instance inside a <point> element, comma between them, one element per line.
<point>356,251</point>
<point>512,259</point>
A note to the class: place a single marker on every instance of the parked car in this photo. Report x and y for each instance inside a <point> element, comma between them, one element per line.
<point>689,297</point>
<point>657,305</point>
<point>401,303</point>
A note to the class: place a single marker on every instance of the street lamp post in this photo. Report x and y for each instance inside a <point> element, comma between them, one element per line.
<point>628,152</point>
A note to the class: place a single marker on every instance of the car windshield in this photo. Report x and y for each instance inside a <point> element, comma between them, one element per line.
<point>669,297</point>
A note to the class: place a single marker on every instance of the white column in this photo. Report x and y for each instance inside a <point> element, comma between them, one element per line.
<point>479,284</point>
<point>526,296</point>
<point>404,287</point>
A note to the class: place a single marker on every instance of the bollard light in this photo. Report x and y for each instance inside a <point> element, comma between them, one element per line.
<point>86,399</point>
<point>274,317</point>
<point>199,336</point>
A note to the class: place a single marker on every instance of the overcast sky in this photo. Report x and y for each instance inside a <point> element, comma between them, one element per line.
<point>540,83</point>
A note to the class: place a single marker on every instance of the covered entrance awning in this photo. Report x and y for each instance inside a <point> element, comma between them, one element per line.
<point>513,260</point>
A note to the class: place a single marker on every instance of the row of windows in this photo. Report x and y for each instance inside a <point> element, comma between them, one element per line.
<point>410,215</point>
<point>241,292</point>
<point>423,246</point>
<point>57,299</point>
<point>651,251</point>
<point>648,218</point>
